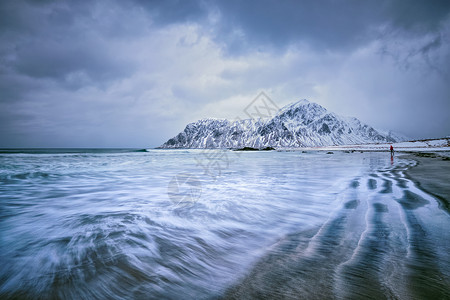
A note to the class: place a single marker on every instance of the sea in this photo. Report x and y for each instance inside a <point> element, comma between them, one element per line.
<point>212,224</point>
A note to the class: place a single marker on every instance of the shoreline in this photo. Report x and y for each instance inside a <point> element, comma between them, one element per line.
<point>432,175</point>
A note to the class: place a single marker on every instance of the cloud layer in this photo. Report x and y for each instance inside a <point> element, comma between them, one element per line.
<point>115,74</point>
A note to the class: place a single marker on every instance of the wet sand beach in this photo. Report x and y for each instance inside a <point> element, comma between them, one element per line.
<point>432,174</point>
<point>388,240</point>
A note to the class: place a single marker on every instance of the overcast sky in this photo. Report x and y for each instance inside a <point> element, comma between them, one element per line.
<point>134,73</point>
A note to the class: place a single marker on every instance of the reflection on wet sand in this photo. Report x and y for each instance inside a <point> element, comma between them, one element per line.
<point>388,241</point>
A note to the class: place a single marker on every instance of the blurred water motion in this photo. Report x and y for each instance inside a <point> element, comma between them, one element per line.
<point>101,225</point>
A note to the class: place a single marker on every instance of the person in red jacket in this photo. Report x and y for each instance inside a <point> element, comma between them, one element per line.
<point>392,151</point>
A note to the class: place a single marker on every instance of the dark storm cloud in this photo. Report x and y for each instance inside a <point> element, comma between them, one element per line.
<point>325,25</point>
<point>49,37</point>
<point>416,15</point>
<point>54,39</point>
<point>55,60</point>
<point>166,12</point>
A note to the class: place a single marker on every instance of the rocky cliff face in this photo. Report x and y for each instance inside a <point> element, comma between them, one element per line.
<point>300,124</point>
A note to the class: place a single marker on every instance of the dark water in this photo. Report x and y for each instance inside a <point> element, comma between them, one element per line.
<point>118,224</point>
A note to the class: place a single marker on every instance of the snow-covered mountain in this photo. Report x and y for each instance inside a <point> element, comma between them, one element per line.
<point>300,124</point>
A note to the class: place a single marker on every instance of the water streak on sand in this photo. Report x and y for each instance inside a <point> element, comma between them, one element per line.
<point>383,248</point>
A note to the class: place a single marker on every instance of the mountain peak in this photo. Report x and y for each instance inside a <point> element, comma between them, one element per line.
<point>299,124</point>
<point>303,104</point>
<point>301,112</point>
<point>297,103</point>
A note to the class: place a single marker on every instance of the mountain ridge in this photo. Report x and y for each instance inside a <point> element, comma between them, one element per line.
<point>299,124</point>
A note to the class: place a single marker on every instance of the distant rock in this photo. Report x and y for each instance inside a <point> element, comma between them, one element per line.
<point>254,149</point>
<point>247,149</point>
